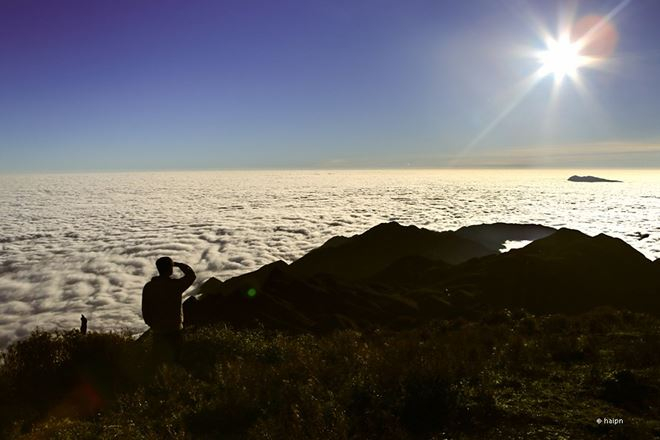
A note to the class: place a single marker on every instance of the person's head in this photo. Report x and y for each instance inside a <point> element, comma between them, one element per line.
<point>164,266</point>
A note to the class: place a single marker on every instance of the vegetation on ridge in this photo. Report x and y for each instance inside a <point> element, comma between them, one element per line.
<point>506,375</point>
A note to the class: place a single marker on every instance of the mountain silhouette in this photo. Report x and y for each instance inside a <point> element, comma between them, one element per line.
<point>567,272</point>
<point>495,234</point>
<point>395,276</point>
<point>363,255</point>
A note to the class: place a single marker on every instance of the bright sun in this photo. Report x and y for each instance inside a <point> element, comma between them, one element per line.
<point>561,58</point>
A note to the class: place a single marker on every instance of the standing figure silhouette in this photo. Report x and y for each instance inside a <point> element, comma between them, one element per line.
<point>83,325</point>
<point>161,307</point>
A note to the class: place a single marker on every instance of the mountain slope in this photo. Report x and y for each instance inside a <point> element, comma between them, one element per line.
<point>364,255</point>
<point>567,272</point>
<point>395,277</point>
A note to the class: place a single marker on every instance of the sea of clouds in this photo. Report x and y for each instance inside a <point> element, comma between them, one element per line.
<point>87,243</point>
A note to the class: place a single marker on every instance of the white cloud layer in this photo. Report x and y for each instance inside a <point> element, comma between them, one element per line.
<point>73,244</point>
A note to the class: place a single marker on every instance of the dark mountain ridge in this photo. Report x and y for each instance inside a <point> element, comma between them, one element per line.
<point>567,272</point>
<point>364,255</point>
<point>395,276</point>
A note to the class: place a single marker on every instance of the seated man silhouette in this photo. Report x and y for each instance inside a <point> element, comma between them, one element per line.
<point>161,307</point>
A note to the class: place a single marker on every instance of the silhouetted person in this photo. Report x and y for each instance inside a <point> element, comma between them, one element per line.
<point>83,325</point>
<point>161,307</point>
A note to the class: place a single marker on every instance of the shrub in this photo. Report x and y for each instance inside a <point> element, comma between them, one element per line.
<point>447,379</point>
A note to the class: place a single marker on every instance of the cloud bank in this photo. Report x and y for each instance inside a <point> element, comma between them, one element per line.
<point>77,243</point>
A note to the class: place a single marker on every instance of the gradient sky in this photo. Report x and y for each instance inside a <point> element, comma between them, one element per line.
<point>137,84</point>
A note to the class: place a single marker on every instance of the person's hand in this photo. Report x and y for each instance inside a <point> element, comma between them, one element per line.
<point>176,264</point>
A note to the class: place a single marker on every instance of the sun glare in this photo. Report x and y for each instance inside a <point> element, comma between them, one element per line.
<point>586,42</point>
<point>561,58</point>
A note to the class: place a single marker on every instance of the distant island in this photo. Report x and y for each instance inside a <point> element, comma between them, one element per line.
<point>591,179</point>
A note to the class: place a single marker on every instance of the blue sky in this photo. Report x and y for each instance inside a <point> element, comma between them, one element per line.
<point>125,84</point>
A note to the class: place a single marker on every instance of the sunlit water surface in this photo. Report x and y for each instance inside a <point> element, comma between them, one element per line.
<point>86,243</point>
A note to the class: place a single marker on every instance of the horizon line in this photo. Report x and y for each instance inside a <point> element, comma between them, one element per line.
<point>384,168</point>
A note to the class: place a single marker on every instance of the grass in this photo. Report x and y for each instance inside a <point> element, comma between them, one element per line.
<point>508,375</point>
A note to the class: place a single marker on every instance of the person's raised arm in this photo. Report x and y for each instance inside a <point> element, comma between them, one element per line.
<point>188,274</point>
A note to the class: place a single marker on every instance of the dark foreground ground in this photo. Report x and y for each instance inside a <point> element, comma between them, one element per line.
<point>504,376</point>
